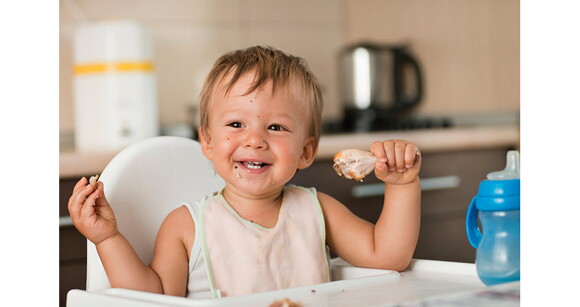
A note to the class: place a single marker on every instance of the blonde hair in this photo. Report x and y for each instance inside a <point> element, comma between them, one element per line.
<point>269,64</point>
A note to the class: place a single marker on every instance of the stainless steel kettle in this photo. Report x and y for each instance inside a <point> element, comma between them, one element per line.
<point>379,83</point>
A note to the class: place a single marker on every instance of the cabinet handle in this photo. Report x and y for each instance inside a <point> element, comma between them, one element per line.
<point>427,184</point>
<point>64,221</point>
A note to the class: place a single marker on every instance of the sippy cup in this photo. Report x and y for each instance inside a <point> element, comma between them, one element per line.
<point>497,205</point>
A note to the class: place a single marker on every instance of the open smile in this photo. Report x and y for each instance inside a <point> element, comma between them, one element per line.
<point>253,165</point>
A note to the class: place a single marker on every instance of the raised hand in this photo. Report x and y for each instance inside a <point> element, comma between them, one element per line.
<point>91,213</point>
<point>398,161</point>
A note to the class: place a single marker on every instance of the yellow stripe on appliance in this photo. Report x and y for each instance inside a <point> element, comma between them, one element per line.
<point>95,68</point>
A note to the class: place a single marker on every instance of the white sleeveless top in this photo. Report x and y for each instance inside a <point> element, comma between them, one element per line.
<point>233,256</point>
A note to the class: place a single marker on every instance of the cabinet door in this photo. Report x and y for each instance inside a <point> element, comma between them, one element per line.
<point>450,180</point>
<point>72,248</point>
<point>72,262</point>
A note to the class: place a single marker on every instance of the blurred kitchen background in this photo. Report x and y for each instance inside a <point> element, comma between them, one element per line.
<point>465,119</point>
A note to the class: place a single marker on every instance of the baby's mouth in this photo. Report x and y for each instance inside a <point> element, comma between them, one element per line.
<point>253,164</point>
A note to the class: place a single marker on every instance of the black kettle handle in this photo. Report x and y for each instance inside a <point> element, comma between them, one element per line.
<point>404,101</point>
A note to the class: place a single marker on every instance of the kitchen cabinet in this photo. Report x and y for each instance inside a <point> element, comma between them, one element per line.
<point>72,247</point>
<point>443,210</point>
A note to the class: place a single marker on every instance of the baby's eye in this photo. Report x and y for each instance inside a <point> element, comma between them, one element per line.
<point>276,127</point>
<point>235,125</point>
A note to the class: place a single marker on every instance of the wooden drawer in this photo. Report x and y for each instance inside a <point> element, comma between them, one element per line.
<point>65,189</point>
<point>444,239</point>
<point>470,167</point>
<point>72,244</point>
<point>72,247</point>
<point>72,275</point>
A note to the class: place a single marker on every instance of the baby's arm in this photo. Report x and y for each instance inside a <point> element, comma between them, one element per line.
<point>94,218</point>
<point>390,243</point>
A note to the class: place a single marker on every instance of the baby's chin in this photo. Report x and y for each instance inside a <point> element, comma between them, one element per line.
<point>256,189</point>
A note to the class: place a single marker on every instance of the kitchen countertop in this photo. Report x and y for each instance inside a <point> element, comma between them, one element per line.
<point>76,164</point>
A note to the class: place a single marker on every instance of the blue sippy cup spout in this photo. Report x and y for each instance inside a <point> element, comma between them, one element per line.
<point>512,168</point>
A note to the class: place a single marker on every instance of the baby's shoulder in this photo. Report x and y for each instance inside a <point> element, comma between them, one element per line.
<point>323,197</point>
<point>179,221</point>
<point>180,215</point>
<point>178,225</point>
<point>328,203</point>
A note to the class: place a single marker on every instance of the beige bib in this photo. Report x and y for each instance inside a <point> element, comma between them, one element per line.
<point>243,257</point>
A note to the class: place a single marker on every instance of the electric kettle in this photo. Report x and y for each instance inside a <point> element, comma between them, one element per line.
<point>378,83</point>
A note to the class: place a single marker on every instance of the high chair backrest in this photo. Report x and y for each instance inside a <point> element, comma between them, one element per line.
<point>145,182</point>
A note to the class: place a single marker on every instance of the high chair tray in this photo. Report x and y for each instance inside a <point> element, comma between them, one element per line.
<point>439,283</point>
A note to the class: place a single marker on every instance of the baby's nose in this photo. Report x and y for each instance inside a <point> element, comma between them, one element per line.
<point>255,139</point>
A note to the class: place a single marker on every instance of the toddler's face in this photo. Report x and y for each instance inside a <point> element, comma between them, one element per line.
<point>257,141</point>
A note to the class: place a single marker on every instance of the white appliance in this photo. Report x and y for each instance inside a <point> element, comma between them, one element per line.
<point>115,91</point>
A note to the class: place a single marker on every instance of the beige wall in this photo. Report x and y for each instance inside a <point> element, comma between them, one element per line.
<point>188,35</point>
<point>469,49</point>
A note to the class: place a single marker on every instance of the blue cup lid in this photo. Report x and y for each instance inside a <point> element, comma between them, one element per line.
<point>497,195</point>
<point>499,187</point>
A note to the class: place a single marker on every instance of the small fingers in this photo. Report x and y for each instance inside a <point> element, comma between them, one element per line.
<point>77,199</point>
<point>81,183</point>
<point>74,210</point>
<point>400,155</point>
<point>397,155</point>
<point>411,152</point>
<point>88,208</point>
<point>99,194</point>
<point>389,147</point>
<point>378,150</point>
<point>92,199</point>
<point>78,186</point>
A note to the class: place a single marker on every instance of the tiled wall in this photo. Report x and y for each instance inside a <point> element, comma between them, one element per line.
<point>469,49</point>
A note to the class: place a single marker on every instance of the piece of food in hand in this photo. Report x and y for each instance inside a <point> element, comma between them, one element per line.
<point>285,302</point>
<point>354,164</point>
<point>93,181</point>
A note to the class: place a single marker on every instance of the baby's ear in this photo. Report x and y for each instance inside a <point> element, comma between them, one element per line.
<point>308,153</point>
<point>204,141</point>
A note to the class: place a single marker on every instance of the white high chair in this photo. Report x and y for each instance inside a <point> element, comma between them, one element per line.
<point>147,180</point>
<point>143,183</point>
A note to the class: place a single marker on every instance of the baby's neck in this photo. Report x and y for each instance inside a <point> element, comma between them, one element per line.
<point>262,210</point>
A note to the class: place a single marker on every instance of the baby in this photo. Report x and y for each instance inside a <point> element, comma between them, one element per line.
<point>260,122</point>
